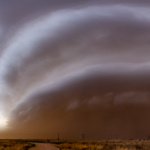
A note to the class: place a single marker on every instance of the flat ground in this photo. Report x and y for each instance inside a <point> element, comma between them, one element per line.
<point>105,145</point>
<point>44,146</point>
<point>49,144</point>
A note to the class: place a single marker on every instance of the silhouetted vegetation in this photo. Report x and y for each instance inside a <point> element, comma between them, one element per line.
<point>15,145</point>
<point>77,144</point>
<point>104,145</point>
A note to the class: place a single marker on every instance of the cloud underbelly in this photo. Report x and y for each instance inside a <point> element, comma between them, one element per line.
<point>86,66</point>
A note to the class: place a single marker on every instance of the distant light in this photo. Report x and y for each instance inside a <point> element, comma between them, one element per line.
<point>3,121</point>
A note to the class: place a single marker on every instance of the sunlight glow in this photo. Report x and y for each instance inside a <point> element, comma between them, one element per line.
<point>3,122</point>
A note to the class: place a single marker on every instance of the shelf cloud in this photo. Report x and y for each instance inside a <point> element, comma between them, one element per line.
<point>75,67</point>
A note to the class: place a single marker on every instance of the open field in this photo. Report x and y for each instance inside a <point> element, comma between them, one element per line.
<point>44,146</point>
<point>15,145</point>
<point>106,145</point>
<point>98,144</point>
<point>77,144</point>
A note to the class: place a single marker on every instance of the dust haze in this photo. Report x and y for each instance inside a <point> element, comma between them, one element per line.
<point>75,67</point>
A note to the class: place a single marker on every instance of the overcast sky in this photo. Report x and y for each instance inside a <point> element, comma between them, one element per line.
<point>75,66</point>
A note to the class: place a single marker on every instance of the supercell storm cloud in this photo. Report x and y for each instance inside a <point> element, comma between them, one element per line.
<point>75,67</point>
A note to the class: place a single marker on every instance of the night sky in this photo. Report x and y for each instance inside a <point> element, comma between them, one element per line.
<point>75,66</point>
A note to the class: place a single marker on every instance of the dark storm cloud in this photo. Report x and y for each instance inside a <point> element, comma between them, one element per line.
<point>63,45</point>
<point>75,62</point>
<point>93,93</point>
<point>97,101</point>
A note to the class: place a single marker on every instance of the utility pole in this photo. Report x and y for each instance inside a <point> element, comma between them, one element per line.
<point>83,136</point>
<point>58,137</point>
